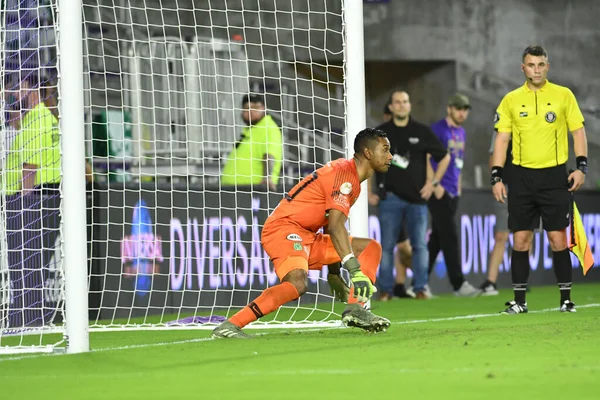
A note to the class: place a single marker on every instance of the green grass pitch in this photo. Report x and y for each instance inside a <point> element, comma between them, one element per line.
<point>445,348</point>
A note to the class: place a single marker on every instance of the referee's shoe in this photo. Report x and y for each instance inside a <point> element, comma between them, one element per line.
<point>515,308</point>
<point>568,306</point>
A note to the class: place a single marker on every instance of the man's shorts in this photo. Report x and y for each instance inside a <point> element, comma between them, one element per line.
<point>500,210</point>
<point>536,193</point>
<point>292,247</point>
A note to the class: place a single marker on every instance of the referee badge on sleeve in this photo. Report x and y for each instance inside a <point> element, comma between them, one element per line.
<point>550,117</point>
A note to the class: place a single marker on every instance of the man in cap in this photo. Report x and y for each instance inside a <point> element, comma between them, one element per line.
<point>443,204</point>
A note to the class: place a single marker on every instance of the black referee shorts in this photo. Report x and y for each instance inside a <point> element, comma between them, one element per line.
<point>536,193</point>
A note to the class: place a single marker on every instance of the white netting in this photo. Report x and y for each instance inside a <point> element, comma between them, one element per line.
<point>172,242</point>
<point>171,238</point>
<point>31,270</point>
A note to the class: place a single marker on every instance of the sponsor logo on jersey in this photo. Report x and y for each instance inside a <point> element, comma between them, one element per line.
<point>346,188</point>
<point>294,237</point>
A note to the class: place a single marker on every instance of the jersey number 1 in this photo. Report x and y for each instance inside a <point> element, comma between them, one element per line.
<point>305,182</point>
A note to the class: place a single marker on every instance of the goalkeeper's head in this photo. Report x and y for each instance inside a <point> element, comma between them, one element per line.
<point>372,145</point>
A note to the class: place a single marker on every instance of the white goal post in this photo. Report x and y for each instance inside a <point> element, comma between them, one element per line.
<point>150,100</point>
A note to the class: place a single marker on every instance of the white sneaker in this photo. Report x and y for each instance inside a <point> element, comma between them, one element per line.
<point>427,292</point>
<point>411,292</point>
<point>467,290</point>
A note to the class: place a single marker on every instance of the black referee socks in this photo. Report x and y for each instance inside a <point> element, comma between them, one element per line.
<point>563,269</point>
<point>519,270</point>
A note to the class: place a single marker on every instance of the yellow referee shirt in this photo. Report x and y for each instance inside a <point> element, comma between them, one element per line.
<point>245,164</point>
<point>38,143</point>
<point>539,123</point>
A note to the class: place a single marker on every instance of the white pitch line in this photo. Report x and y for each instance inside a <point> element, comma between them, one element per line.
<point>420,321</point>
<point>159,344</point>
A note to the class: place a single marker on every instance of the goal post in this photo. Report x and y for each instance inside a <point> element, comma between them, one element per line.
<point>356,119</point>
<point>70,57</point>
<point>43,281</point>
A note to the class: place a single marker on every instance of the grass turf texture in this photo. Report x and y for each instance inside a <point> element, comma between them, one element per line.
<point>541,355</point>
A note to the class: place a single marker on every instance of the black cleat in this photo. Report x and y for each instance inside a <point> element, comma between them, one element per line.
<point>357,317</point>
<point>515,308</point>
<point>568,306</point>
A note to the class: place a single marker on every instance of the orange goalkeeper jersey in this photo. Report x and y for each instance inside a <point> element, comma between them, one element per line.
<point>333,186</point>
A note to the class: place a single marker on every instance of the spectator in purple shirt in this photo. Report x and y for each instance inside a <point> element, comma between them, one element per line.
<point>444,203</point>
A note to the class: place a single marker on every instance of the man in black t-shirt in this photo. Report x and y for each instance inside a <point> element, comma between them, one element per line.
<point>403,253</point>
<point>403,191</point>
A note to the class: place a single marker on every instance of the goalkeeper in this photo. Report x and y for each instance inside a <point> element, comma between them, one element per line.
<point>291,239</point>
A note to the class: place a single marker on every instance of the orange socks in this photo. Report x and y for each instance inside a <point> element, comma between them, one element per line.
<point>269,300</point>
<point>369,261</point>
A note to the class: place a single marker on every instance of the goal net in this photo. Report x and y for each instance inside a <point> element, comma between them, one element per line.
<point>31,271</point>
<point>180,189</point>
<point>178,182</point>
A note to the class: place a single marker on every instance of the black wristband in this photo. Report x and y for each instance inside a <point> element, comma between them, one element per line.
<point>497,172</point>
<point>582,164</point>
<point>496,175</point>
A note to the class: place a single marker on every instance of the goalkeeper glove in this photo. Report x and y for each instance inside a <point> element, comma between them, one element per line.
<point>339,287</point>
<point>363,288</point>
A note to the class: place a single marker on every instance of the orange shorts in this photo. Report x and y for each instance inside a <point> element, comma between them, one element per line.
<point>292,247</point>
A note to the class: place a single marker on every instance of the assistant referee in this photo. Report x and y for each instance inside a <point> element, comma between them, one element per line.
<point>538,115</point>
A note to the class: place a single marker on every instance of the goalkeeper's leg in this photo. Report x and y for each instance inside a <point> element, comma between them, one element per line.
<point>288,247</point>
<point>293,285</point>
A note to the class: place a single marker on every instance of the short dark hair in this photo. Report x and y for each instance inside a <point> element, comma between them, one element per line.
<point>397,90</point>
<point>253,98</point>
<point>386,109</point>
<point>534,50</point>
<point>367,138</point>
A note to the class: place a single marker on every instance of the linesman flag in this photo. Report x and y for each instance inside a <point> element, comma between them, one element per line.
<point>579,244</point>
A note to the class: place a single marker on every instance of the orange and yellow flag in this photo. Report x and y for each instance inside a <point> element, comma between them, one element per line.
<point>579,244</point>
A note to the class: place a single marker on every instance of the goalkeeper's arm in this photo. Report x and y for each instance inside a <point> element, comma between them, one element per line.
<point>337,284</point>
<point>338,233</point>
<point>335,268</point>
<point>363,287</point>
